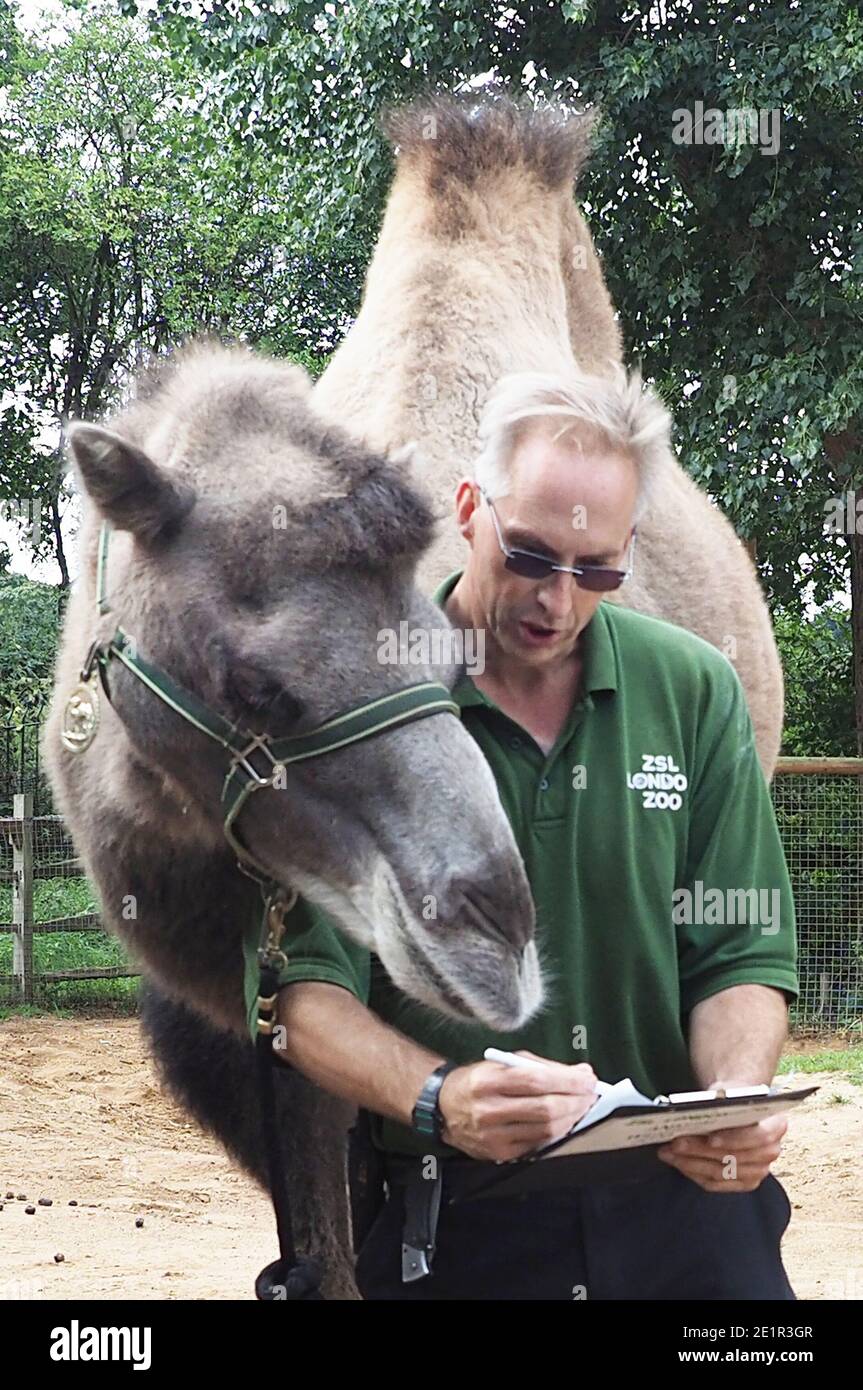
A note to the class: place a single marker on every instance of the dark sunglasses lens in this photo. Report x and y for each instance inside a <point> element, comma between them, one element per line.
<point>600,581</point>
<point>528,566</point>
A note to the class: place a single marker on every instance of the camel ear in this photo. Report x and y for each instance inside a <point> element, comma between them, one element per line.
<point>131,491</point>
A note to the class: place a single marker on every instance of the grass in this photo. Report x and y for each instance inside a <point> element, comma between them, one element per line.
<point>81,999</point>
<point>90,950</point>
<point>847,1059</point>
<point>54,897</point>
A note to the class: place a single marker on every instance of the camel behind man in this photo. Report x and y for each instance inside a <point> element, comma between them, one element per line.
<point>484,267</point>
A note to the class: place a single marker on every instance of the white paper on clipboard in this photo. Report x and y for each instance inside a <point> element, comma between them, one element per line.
<point>624,1118</point>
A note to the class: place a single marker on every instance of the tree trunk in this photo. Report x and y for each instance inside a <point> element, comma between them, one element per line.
<point>58,543</point>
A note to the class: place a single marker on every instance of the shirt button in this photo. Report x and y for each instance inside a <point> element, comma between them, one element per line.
<point>543,786</point>
<point>515,741</point>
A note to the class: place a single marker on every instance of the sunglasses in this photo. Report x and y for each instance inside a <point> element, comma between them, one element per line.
<point>596,578</point>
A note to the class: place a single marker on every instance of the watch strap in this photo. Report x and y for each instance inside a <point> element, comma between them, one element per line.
<point>427,1119</point>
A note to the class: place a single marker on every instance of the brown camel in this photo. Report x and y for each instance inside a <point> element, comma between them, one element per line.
<point>484,267</point>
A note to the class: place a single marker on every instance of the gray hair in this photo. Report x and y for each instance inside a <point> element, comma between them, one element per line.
<point>617,408</point>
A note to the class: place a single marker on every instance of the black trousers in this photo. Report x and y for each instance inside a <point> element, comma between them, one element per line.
<point>664,1238</point>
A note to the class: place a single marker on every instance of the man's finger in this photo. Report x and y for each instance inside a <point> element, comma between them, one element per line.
<point>744,1137</point>
<point>750,1136</point>
<point>762,1153</point>
<point>549,1108</point>
<point>553,1078</point>
<point>552,1062</point>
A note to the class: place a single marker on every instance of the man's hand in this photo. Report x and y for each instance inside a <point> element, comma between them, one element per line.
<point>494,1112</point>
<point>729,1160</point>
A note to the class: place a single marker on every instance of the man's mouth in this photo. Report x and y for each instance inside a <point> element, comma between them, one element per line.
<point>538,634</point>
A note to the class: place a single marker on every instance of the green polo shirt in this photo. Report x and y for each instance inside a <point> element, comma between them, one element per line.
<point>653,856</point>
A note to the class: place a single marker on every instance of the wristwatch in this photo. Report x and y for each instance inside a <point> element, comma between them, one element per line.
<point>427,1118</point>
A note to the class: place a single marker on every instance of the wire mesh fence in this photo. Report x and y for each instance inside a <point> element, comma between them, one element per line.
<point>819,810</point>
<point>19,765</point>
<point>53,950</point>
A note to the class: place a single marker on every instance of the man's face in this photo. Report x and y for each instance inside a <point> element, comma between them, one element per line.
<point>571,500</point>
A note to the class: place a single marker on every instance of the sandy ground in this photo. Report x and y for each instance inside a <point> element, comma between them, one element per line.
<point>82,1119</point>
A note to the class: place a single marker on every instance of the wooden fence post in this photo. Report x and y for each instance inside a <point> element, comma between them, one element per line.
<point>22,895</point>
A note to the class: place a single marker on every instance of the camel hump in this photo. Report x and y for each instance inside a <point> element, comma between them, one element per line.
<point>465,136</point>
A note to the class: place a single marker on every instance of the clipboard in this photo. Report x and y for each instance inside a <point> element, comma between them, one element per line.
<point>623,1144</point>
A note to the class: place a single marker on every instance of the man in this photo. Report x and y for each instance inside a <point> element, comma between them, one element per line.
<point>624,757</point>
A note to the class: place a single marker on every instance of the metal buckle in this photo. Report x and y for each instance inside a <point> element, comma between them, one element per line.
<point>270,956</point>
<point>267,1014</point>
<point>90,660</point>
<point>277,910</point>
<point>241,759</point>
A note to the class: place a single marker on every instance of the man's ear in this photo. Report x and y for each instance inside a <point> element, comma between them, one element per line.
<point>130,491</point>
<point>465,507</point>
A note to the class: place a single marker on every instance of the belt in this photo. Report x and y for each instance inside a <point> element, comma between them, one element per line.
<point>432,1180</point>
<point>460,1175</point>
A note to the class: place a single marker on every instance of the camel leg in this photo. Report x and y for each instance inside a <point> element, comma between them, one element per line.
<point>213,1076</point>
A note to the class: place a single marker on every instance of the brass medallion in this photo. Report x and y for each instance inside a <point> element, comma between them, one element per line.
<point>81,716</point>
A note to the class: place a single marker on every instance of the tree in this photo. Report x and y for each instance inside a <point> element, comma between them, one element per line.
<point>817,661</point>
<point>28,646</point>
<point>126,223</point>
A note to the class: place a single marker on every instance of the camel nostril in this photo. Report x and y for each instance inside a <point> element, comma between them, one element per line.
<point>485,919</point>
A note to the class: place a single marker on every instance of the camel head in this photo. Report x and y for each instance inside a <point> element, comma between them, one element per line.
<point>257,555</point>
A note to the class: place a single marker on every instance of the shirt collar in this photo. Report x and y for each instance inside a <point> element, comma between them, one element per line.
<point>600,656</point>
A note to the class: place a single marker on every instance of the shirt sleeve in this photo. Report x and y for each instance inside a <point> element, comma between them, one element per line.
<point>316,950</point>
<point>734,911</point>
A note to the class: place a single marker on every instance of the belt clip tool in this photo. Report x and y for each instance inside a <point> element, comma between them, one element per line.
<point>422,1208</point>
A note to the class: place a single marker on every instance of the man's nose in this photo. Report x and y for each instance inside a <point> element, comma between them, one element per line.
<point>555,593</point>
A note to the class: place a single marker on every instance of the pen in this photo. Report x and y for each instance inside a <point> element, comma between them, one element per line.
<point>509,1059</point>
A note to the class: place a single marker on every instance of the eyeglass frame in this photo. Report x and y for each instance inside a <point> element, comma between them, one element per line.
<point>577,571</point>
